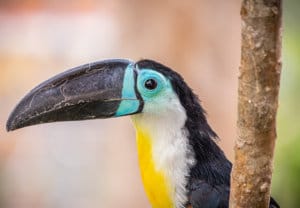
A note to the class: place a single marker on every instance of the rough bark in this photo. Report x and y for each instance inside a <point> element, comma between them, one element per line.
<point>259,81</point>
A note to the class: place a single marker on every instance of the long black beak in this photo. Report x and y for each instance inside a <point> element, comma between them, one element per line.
<point>85,92</point>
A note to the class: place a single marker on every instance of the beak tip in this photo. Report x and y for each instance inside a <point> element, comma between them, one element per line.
<point>10,125</point>
<point>13,123</point>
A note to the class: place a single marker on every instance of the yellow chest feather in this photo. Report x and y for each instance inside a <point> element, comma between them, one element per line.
<point>155,182</point>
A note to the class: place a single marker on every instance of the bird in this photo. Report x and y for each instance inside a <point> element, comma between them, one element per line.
<point>180,162</point>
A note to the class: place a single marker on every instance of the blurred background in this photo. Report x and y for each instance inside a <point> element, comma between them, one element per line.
<point>94,163</point>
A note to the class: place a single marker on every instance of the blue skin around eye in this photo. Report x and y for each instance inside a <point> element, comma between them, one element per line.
<point>130,103</point>
<point>162,84</point>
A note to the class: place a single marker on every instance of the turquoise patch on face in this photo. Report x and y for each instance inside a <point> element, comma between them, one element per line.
<point>162,84</point>
<point>130,103</point>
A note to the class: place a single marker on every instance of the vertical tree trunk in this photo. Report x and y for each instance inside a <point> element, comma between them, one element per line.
<point>259,81</point>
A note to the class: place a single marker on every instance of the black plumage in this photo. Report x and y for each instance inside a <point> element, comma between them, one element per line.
<point>209,181</point>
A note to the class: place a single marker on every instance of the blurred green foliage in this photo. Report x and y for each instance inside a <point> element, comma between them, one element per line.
<point>286,177</point>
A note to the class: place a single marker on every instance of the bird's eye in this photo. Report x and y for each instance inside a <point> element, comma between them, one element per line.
<point>150,84</point>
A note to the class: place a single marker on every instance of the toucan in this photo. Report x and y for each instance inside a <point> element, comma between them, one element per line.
<point>180,162</point>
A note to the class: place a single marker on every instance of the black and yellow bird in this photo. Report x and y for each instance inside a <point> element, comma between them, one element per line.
<point>181,165</point>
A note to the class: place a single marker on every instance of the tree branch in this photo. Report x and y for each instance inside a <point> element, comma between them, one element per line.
<point>258,89</point>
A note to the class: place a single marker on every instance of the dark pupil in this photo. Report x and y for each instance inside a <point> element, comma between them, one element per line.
<point>150,84</point>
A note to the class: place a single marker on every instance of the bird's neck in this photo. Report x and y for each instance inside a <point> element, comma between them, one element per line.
<point>165,159</point>
<point>211,165</point>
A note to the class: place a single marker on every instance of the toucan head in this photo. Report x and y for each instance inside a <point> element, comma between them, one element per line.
<point>103,89</point>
